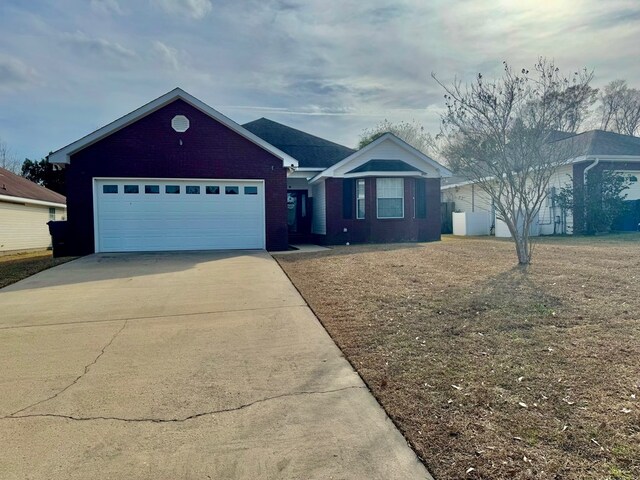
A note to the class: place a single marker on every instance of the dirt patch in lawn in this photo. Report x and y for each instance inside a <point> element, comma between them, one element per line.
<point>491,372</point>
<point>15,267</point>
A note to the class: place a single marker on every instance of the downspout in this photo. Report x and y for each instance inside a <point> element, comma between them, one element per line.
<point>473,197</point>
<point>584,189</point>
<point>586,170</point>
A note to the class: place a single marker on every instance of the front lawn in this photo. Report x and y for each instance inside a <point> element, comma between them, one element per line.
<point>16,266</point>
<point>488,371</point>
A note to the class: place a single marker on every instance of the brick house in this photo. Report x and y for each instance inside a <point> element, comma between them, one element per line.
<point>176,174</point>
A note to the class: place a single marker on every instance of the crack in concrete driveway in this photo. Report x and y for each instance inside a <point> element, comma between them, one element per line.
<point>184,419</point>
<point>87,367</point>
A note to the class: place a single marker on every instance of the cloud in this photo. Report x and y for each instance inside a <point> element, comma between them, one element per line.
<point>99,48</point>
<point>196,9</point>
<point>15,74</point>
<point>168,54</point>
<point>107,6</point>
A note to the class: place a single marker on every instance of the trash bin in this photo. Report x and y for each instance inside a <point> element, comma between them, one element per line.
<point>58,231</point>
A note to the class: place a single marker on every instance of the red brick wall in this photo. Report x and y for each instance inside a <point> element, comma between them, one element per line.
<point>151,148</point>
<point>374,230</point>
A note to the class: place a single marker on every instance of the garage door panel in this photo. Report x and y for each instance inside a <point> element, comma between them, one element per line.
<point>162,221</point>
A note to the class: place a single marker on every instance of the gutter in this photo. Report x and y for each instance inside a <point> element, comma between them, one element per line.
<point>30,201</point>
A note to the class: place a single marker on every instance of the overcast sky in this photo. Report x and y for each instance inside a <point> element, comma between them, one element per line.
<point>330,68</point>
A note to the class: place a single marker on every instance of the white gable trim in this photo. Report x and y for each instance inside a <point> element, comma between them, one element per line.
<point>354,157</point>
<point>62,156</point>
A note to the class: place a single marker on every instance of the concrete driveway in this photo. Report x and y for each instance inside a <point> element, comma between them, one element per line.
<point>181,365</point>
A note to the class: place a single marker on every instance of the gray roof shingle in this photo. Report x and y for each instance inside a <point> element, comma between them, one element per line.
<point>600,142</point>
<point>309,150</point>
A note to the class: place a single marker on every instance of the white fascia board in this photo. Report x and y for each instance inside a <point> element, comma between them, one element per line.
<point>306,174</point>
<point>30,201</point>
<point>453,185</point>
<point>62,156</point>
<point>607,158</point>
<point>329,172</point>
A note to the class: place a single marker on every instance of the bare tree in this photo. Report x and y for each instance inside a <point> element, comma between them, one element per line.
<point>619,108</point>
<point>411,132</point>
<point>502,134</point>
<point>7,160</point>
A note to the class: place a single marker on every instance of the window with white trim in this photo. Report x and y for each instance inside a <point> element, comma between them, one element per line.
<point>360,199</point>
<point>390,197</point>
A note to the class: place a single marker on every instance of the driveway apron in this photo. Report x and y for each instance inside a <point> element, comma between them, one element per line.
<point>181,365</point>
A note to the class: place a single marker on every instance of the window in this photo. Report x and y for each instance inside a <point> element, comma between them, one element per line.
<point>193,190</point>
<point>110,189</point>
<point>151,189</point>
<point>360,199</point>
<point>172,189</point>
<point>52,213</point>
<point>212,190</point>
<point>231,190</point>
<point>250,190</point>
<point>390,196</point>
<point>131,189</point>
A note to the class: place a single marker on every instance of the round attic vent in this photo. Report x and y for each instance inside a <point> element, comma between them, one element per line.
<point>180,123</point>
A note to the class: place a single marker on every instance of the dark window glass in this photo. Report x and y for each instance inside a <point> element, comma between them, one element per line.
<point>131,189</point>
<point>52,213</point>
<point>193,190</point>
<point>152,189</point>
<point>250,190</point>
<point>172,189</point>
<point>212,190</point>
<point>231,190</point>
<point>110,189</point>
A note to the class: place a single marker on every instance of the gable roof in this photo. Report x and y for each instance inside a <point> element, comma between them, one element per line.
<point>443,171</point>
<point>603,143</point>
<point>62,156</point>
<point>15,186</point>
<point>375,165</point>
<point>309,150</point>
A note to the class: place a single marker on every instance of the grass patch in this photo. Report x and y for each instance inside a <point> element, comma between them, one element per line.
<point>15,267</point>
<point>523,375</point>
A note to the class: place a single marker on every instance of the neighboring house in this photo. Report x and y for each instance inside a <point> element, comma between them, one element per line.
<point>176,174</point>
<point>595,150</point>
<point>25,209</point>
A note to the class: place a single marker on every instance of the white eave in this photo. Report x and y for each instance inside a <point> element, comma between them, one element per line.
<point>329,172</point>
<point>582,158</point>
<point>63,155</point>
<point>30,201</point>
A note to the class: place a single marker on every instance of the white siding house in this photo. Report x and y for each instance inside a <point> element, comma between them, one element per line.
<point>25,210</point>
<point>471,199</point>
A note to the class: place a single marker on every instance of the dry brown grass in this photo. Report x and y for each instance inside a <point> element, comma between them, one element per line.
<point>482,366</point>
<point>15,267</point>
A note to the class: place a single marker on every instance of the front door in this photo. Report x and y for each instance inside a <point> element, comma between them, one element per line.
<point>298,215</point>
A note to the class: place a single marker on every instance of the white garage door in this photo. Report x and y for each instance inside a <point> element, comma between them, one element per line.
<point>156,215</point>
